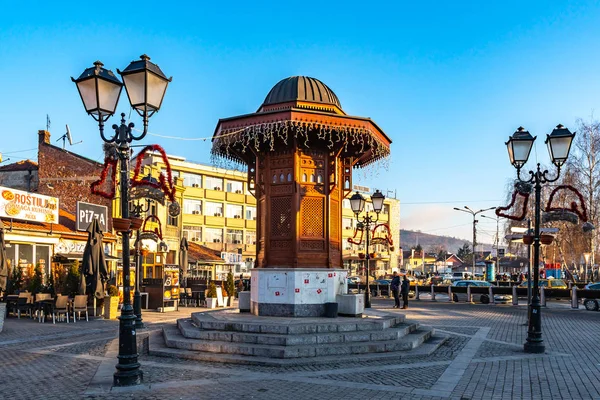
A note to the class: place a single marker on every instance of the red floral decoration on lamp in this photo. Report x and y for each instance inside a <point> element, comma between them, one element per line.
<point>109,163</point>
<point>574,206</point>
<point>164,183</point>
<point>518,191</point>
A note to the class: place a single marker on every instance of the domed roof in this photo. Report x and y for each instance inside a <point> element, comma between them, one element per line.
<point>301,88</point>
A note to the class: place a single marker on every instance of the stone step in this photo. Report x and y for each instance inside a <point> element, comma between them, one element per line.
<point>205,321</point>
<point>191,331</point>
<point>157,347</point>
<point>174,339</point>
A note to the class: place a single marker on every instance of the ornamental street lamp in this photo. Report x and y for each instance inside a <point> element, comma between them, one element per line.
<point>100,90</point>
<point>137,209</point>
<point>519,146</point>
<point>474,214</point>
<point>357,203</point>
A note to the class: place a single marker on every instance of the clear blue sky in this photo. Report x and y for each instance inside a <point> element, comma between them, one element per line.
<point>447,81</point>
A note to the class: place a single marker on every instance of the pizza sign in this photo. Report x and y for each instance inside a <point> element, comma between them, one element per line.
<point>28,206</point>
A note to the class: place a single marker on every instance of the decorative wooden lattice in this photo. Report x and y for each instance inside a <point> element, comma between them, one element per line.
<point>281,216</point>
<point>312,217</point>
<point>334,220</point>
<point>311,245</point>
<point>281,244</point>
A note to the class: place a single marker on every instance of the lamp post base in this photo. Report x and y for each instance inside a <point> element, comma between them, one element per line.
<point>128,369</point>
<point>367,297</point>
<point>534,347</point>
<point>534,343</point>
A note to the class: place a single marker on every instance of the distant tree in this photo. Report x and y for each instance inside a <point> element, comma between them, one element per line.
<point>464,252</point>
<point>417,248</point>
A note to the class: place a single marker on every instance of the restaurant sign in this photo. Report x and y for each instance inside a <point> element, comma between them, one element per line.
<point>28,206</point>
<point>86,212</point>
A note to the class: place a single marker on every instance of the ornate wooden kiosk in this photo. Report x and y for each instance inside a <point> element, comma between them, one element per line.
<point>300,148</point>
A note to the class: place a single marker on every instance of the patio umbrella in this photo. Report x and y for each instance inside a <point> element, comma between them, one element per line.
<point>3,264</point>
<point>94,264</point>
<point>183,257</point>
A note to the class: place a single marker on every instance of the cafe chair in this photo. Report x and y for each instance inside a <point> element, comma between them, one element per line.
<point>23,304</point>
<point>60,307</point>
<point>79,306</point>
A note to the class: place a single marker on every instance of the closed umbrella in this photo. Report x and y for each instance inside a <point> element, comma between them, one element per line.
<point>94,263</point>
<point>3,263</point>
<point>183,257</point>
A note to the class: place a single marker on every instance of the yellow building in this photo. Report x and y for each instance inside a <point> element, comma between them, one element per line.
<point>386,257</point>
<point>218,212</point>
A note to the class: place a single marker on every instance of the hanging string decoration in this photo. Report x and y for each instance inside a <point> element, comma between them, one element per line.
<point>233,144</point>
<point>148,233</point>
<point>523,191</point>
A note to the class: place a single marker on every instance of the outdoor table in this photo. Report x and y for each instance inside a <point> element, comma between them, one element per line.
<point>44,307</point>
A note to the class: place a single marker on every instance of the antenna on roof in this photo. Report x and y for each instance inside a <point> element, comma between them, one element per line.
<point>67,136</point>
<point>47,123</point>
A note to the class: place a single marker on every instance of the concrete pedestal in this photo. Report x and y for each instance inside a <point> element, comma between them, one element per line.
<point>244,301</point>
<point>294,292</point>
<point>351,304</point>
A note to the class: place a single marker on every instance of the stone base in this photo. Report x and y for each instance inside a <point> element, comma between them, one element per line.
<point>295,292</point>
<point>244,301</point>
<point>287,310</point>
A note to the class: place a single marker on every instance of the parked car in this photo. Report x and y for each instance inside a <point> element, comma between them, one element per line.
<point>354,279</point>
<point>548,283</point>
<point>591,304</point>
<point>483,298</point>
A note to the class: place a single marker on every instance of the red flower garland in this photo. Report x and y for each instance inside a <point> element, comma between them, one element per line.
<point>95,186</point>
<point>581,214</point>
<point>165,183</point>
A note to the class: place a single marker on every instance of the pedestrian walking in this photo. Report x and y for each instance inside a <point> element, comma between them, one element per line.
<point>395,289</point>
<point>404,291</point>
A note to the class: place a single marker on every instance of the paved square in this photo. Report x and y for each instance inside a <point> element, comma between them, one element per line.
<point>482,359</point>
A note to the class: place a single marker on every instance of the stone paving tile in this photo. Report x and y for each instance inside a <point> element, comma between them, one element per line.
<point>493,349</point>
<point>157,374</point>
<point>93,348</point>
<point>423,377</point>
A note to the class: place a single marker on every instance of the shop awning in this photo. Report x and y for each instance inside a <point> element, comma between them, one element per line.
<point>79,256</point>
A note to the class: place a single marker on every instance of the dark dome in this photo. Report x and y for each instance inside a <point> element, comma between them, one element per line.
<point>301,88</point>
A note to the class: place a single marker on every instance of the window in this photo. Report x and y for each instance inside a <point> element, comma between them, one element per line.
<point>214,209</point>
<point>319,178</point>
<point>250,212</point>
<point>347,223</point>
<point>234,211</point>
<point>210,182</point>
<point>234,236</point>
<point>192,206</point>
<point>172,221</point>
<point>303,177</point>
<point>386,209</point>
<point>250,237</point>
<point>346,204</point>
<point>213,235</point>
<point>235,187</point>
<point>192,180</point>
<point>192,233</point>
<point>174,174</point>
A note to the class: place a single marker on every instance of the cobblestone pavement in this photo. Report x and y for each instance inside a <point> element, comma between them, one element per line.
<point>482,359</point>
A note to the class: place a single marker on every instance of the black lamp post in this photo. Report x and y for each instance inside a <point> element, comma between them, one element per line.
<point>357,203</point>
<point>474,214</point>
<point>519,146</point>
<point>100,89</point>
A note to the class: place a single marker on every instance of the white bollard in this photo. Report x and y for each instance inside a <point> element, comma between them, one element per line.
<point>450,297</point>
<point>542,296</point>
<point>515,297</point>
<point>574,301</point>
<point>491,296</point>
<point>417,292</point>
<point>432,293</point>
<point>469,298</point>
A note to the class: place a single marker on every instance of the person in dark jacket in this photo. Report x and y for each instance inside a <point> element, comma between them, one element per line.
<point>404,291</point>
<point>395,284</point>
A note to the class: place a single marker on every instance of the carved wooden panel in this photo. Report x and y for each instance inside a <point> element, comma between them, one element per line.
<point>334,220</point>
<point>281,216</point>
<point>281,244</point>
<point>316,245</point>
<point>312,212</point>
<point>282,189</point>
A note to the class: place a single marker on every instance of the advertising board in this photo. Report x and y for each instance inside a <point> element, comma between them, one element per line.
<point>28,206</point>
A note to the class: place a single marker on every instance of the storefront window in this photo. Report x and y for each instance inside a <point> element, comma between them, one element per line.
<point>42,257</point>
<point>234,236</point>
<point>234,211</point>
<point>26,256</point>
<point>235,187</point>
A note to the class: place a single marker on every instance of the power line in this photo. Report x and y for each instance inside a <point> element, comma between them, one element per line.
<point>451,202</point>
<point>19,151</point>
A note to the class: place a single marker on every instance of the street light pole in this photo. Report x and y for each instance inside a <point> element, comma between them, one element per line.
<point>357,203</point>
<point>519,146</point>
<point>474,214</point>
<point>100,90</point>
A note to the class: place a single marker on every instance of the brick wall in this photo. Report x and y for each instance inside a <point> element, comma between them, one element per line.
<point>68,176</point>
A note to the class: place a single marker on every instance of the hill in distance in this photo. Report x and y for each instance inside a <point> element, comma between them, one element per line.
<point>432,243</point>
